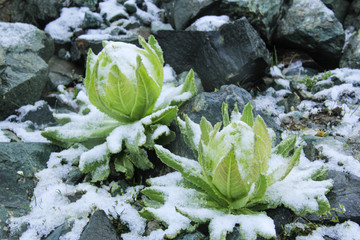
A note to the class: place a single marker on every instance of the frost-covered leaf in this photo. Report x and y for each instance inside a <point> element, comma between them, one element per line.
<point>191,132</point>
<point>225,114</point>
<point>247,115</point>
<point>299,192</point>
<point>183,205</point>
<point>90,129</point>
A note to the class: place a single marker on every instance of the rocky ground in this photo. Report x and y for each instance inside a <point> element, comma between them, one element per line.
<point>298,62</point>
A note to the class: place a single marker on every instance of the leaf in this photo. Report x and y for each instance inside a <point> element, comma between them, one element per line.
<point>190,170</point>
<point>299,192</point>
<point>164,116</point>
<point>262,144</point>
<point>140,159</point>
<point>191,133</point>
<point>227,178</point>
<point>147,92</point>
<point>153,194</point>
<point>159,134</point>
<point>286,146</point>
<point>247,115</point>
<point>189,84</point>
<point>96,161</point>
<point>123,164</point>
<point>225,114</point>
<point>206,128</point>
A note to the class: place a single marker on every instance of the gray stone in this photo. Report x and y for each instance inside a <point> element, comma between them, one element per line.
<point>234,55</point>
<point>263,15</point>
<point>35,12</point>
<point>196,235</point>
<point>58,232</point>
<point>16,190</point>
<point>99,227</point>
<point>130,7</point>
<point>339,7</point>
<point>351,55</point>
<point>182,13</point>
<point>310,25</point>
<point>41,115</point>
<point>92,20</point>
<point>322,85</point>
<point>353,17</point>
<point>91,4</point>
<point>160,26</point>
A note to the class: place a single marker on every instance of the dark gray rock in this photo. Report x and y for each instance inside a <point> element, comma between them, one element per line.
<point>40,115</point>
<point>182,13</point>
<point>16,190</point>
<point>235,54</point>
<point>310,25</point>
<point>262,14</point>
<point>24,71</point>
<point>91,4</point>
<point>353,17</point>
<point>322,85</point>
<point>130,7</point>
<point>35,12</point>
<point>351,55</point>
<point>92,20</point>
<point>58,232</point>
<point>196,235</point>
<point>99,227</point>
<point>339,7</point>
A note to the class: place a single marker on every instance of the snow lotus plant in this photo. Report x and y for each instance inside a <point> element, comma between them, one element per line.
<point>238,175</point>
<point>127,111</point>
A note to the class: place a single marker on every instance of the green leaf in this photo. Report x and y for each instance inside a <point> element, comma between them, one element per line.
<point>147,92</point>
<point>154,194</point>
<point>123,164</point>
<point>262,144</point>
<point>140,159</point>
<point>247,115</point>
<point>158,134</point>
<point>206,128</point>
<point>259,190</point>
<point>286,146</point>
<point>225,114</point>
<point>227,178</point>
<point>189,84</point>
<point>191,133</point>
<point>164,116</point>
<point>152,46</point>
<point>190,170</point>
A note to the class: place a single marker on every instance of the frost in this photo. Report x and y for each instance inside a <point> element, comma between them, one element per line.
<point>346,230</point>
<point>209,23</point>
<point>70,20</point>
<point>110,9</point>
<point>51,207</point>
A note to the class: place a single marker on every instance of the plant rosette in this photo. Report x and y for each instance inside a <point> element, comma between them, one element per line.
<point>128,109</point>
<point>238,175</point>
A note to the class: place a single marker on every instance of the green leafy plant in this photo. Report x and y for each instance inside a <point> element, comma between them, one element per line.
<point>127,111</point>
<point>238,175</point>
<point>311,81</point>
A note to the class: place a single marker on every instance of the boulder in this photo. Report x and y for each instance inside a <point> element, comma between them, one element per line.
<point>262,14</point>
<point>351,55</point>
<point>23,67</point>
<point>233,55</point>
<point>19,163</point>
<point>339,7</point>
<point>310,25</point>
<point>182,13</point>
<point>35,12</point>
<point>353,17</point>
<point>99,227</point>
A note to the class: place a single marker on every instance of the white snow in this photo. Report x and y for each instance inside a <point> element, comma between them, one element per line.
<point>343,231</point>
<point>62,28</point>
<point>111,8</point>
<point>209,23</point>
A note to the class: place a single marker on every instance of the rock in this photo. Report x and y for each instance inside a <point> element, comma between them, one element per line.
<point>339,7</point>
<point>17,187</point>
<point>99,227</point>
<point>234,55</point>
<point>315,30</point>
<point>351,55</point>
<point>130,7</point>
<point>62,72</point>
<point>181,14</point>
<point>353,16</point>
<point>92,20</point>
<point>160,26</point>
<point>58,232</point>
<point>322,85</point>
<point>91,4</point>
<point>196,235</point>
<point>39,114</point>
<point>35,12</point>
<point>24,72</point>
<point>209,23</point>
<point>263,15</point>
